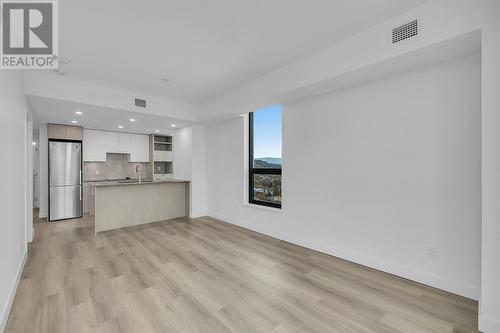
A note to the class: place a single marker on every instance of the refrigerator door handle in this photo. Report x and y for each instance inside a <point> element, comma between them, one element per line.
<point>80,177</point>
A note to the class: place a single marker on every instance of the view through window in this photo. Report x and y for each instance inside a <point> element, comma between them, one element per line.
<point>265,156</point>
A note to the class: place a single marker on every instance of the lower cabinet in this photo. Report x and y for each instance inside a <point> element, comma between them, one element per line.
<point>88,199</point>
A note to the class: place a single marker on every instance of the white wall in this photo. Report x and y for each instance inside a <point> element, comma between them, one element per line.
<point>183,153</point>
<point>43,171</point>
<point>190,162</point>
<point>29,175</point>
<point>376,174</point>
<point>199,172</point>
<point>12,191</point>
<point>440,20</point>
<point>489,305</point>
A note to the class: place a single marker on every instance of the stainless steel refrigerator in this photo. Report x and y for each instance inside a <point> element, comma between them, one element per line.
<point>65,180</point>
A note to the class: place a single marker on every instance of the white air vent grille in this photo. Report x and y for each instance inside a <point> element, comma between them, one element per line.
<point>140,102</point>
<point>405,31</point>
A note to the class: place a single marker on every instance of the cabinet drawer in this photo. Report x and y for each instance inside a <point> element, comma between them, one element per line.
<point>163,156</point>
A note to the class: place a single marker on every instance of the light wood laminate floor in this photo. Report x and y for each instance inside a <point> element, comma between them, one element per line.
<point>208,276</point>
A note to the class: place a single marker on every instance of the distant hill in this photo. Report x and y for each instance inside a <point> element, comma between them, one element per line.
<point>272,160</point>
<point>267,162</point>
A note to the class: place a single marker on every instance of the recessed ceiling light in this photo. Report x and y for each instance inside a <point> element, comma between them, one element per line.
<point>173,125</point>
<point>131,120</point>
<point>120,126</point>
<point>157,131</point>
<point>79,113</point>
<point>74,122</point>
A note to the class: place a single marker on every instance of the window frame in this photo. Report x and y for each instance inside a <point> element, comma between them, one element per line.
<point>258,171</point>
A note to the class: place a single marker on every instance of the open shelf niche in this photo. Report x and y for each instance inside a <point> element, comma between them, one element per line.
<point>161,156</point>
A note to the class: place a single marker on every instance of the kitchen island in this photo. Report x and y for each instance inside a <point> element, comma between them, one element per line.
<point>126,204</point>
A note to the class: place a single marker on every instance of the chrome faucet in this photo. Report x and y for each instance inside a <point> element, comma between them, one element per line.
<point>138,171</point>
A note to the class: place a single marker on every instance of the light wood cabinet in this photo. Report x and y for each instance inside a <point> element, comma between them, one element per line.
<point>55,131</point>
<point>64,132</point>
<point>74,133</point>
<point>87,198</point>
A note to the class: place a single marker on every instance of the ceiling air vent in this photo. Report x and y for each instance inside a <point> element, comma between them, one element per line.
<point>405,31</point>
<point>140,102</point>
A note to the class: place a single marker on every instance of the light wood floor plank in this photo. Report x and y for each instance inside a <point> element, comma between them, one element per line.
<point>204,275</point>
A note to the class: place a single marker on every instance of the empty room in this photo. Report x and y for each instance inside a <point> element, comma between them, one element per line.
<point>250,166</point>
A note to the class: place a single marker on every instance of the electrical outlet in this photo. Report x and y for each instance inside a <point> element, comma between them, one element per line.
<point>432,253</point>
<point>97,172</point>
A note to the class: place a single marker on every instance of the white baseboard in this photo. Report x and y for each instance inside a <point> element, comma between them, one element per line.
<point>12,294</point>
<point>488,325</point>
<point>433,280</point>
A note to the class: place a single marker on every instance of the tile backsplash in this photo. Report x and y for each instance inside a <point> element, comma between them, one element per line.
<point>116,166</point>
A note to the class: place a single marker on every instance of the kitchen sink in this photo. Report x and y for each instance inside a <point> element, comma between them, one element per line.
<point>133,181</point>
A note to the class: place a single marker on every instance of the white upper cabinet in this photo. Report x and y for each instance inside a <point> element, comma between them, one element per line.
<point>139,148</point>
<point>124,143</point>
<point>112,142</point>
<point>97,143</point>
<point>117,142</point>
<point>94,146</point>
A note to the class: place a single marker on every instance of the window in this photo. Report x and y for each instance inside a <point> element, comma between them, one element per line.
<point>265,157</point>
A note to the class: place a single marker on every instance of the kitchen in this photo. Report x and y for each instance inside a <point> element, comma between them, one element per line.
<point>118,178</point>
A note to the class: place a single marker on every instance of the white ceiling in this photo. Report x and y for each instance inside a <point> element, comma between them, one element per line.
<point>203,47</point>
<point>47,110</point>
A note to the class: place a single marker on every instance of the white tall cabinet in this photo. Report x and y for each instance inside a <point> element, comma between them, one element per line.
<point>97,143</point>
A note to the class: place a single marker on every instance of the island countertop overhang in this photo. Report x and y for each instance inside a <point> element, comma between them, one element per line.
<point>134,183</point>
